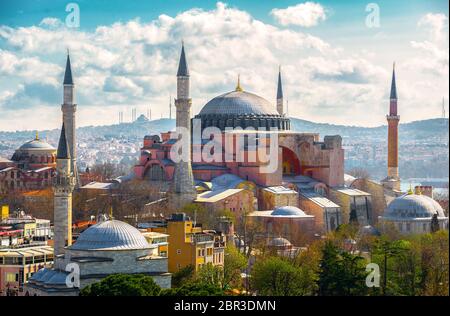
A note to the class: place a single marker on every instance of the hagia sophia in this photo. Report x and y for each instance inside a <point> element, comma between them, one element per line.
<point>306,197</point>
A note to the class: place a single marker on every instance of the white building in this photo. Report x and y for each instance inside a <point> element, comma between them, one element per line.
<point>412,214</point>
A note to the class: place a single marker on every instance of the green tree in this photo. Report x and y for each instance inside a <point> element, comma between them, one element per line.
<point>123,285</point>
<point>387,254</point>
<point>341,273</point>
<point>183,275</point>
<point>210,274</point>
<point>194,288</point>
<point>234,262</point>
<point>277,276</point>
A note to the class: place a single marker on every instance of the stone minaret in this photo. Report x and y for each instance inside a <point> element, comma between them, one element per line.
<point>183,190</point>
<point>393,180</point>
<point>63,186</point>
<point>280,108</point>
<point>68,109</point>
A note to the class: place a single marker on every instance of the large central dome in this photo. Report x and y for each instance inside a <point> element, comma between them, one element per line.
<point>239,103</point>
<point>241,109</point>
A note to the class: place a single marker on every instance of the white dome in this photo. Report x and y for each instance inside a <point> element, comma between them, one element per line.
<point>110,235</point>
<point>413,206</point>
<point>279,242</point>
<point>288,211</point>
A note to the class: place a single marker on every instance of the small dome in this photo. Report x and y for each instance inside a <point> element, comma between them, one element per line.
<point>413,206</point>
<point>239,103</point>
<point>279,242</point>
<point>288,211</point>
<point>36,144</point>
<point>369,231</point>
<point>110,235</point>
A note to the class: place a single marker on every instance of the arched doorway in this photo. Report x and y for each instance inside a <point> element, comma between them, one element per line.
<point>291,164</point>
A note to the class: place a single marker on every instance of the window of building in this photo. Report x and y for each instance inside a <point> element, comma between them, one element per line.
<point>209,251</point>
<point>408,227</point>
<point>178,251</point>
<point>12,277</point>
<point>424,227</point>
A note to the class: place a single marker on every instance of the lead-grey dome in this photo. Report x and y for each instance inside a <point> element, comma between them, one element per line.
<point>239,103</point>
<point>241,109</point>
<point>288,211</point>
<point>413,206</point>
<point>110,235</point>
<point>36,144</point>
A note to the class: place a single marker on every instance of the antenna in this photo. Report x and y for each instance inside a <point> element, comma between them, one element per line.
<point>170,106</point>
<point>287,107</point>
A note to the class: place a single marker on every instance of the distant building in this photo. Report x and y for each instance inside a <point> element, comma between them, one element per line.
<point>19,264</point>
<point>32,167</point>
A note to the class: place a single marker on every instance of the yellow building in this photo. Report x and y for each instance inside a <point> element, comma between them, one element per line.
<point>189,244</point>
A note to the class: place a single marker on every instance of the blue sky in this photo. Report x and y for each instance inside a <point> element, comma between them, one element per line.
<point>125,53</point>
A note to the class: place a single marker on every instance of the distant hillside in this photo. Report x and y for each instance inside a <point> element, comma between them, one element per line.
<point>417,130</point>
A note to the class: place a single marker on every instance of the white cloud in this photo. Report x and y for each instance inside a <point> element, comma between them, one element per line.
<point>133,64</point>
<point>437,23</point>
<point>306,14</point>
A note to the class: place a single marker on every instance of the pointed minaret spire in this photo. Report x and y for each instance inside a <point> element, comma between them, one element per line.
<point>183,70</point>
<point>68,73</point>
<point>393,85</point>
<point>280,87</point>
<point>63,151</point>
<point>280,106</point>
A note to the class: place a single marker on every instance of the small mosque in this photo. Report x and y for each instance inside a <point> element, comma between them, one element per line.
<point>31,167</point>
<point>413,214</point>
<point>106,248</point>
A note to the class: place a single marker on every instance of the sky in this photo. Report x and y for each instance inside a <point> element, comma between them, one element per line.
<point>336,57</point>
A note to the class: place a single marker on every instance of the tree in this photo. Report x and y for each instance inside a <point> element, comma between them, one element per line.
<point>341,273</point>
<point>275,276</point>
<point>210,274</point>
<point>194,288</point>
<point>386,254</point>
<point>435,263</point>
<point>234,262</point>
<point>123,285</point>
<point>183,275</point>
<point>359,173</point>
